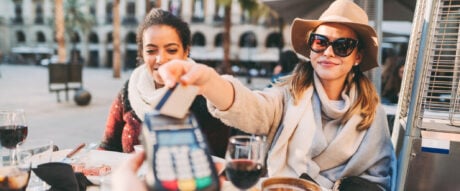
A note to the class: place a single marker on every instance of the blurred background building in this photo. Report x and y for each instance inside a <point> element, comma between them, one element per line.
<point>27,31</point>
<point>28,34</point>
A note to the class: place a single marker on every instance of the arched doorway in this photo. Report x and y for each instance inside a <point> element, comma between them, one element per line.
<point>274,40</point>
<point>198,39</point>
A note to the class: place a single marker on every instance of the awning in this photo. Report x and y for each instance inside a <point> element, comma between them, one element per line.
<point>31,50</point>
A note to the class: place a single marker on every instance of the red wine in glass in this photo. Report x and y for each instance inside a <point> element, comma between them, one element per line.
<point>244,158</point>
<point>243,173</point>
<point>13,130</point>
<point>11,135</point>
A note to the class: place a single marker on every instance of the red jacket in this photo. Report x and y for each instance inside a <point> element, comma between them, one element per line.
<point>123,126</point>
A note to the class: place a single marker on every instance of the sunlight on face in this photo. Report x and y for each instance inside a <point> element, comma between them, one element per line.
<point>329,67</point>
<point>161,43</point>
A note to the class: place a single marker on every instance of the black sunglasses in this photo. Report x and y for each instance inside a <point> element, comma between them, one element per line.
<point>342,47</point>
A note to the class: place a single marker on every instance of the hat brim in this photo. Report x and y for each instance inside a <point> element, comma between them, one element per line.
<point>367,35</point>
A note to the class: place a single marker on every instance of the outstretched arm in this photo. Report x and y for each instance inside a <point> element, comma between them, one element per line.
<point>216,89</point>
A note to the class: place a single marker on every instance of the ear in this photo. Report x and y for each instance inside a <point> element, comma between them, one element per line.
<point>359,57</point>
<point>187,52</point>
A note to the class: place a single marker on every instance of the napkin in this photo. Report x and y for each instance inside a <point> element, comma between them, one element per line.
<point>61,177</point>
<point>356,183</point>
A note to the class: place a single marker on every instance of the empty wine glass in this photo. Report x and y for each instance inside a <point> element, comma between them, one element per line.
<point>244,156</point>
<point>14,176</point>
<point>13,130</point>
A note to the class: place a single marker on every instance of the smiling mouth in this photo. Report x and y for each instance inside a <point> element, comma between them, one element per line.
<point>327,63</point>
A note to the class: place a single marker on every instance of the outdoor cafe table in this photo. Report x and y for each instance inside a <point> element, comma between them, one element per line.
<point>114,159</point>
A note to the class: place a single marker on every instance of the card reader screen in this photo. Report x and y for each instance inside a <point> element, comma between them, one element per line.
<point>175,137</point>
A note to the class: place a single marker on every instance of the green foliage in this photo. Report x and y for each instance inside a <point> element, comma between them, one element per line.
<point>254,7</point>
<point>75,18</point>
<point>224,2</point>
<point>249,5</point>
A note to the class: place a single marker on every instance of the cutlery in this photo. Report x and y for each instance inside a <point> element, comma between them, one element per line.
<point>68,157</point>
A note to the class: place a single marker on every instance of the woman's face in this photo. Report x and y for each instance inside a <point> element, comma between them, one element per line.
<point>161,43</point>
<point>329,67</point>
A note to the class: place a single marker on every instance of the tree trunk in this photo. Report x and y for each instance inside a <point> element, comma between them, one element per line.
<point>148,6</point>
<point>226,65</point>
<point>158,4</point>
<point>60,30</point>
<point>116,40</point>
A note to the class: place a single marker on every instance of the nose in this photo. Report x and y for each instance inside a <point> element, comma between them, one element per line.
<point>162,57</point>
<point>158,59</point>
<point>329,51</point>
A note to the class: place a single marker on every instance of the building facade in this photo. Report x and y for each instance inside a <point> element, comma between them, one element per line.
<point>27,31</point>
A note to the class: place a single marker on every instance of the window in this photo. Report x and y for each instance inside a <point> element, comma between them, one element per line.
<point>75,37</point>
<point>108,13</point>
<point>175,7</point>
<point>109,37</point>
<point>219,13</point>
<point>130,13</point>
<point>41,37</point>
<point>92,10</point>
<point>219,40</point>
<point>198,39</point>
<point>274,40</point>
<point>248,39</point>
<point>39,14</point>
<point>93,39</point>
<point>18,13</point>
<point>131,38</point>
<point>198,11</point>
<point>20,37</point>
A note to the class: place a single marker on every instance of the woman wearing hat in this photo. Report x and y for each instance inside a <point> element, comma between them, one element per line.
<point>325,120</point>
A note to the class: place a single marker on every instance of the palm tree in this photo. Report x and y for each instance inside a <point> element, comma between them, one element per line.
<point>249,5</point>
<point>116,39</point>
<point>60,29</point>
<point>76,19</point>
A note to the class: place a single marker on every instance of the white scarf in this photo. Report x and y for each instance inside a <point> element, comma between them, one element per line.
<point>142,93</point>
<point>311,146</point>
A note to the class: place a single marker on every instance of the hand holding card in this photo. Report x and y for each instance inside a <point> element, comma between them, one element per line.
<point>176,101</point>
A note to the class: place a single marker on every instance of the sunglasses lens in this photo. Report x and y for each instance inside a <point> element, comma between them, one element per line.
<point>342,47</point>
<point>318,43</point>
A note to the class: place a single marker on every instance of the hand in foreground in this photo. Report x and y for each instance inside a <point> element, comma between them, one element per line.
<point>125,176</point>
<point>215,89</point>
<point>185,72</point>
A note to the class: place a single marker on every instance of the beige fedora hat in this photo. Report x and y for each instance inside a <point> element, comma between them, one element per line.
<point>345,12</point>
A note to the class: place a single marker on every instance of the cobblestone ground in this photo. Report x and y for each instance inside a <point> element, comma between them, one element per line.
<point>26,86</point>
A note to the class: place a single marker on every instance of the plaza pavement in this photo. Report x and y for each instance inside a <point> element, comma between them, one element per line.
<point>66,123</point>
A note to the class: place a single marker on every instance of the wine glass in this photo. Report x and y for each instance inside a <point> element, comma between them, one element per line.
<point>40,151</point>
<point>13,130</point>
<point>14,176</point>
<point>244,156</point>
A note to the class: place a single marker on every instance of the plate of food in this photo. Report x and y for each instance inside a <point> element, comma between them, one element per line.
<point>94,164</point>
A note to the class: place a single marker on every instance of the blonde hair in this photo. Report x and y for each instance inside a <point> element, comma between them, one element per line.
<point>366,101</point>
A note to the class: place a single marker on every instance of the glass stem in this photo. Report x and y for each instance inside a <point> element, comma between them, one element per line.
<point>12,153</point>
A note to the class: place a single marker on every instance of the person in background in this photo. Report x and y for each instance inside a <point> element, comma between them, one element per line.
<point>391,81</point>
<point>287,62</point>
<point>326,120</point>
<point>161,37</point>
